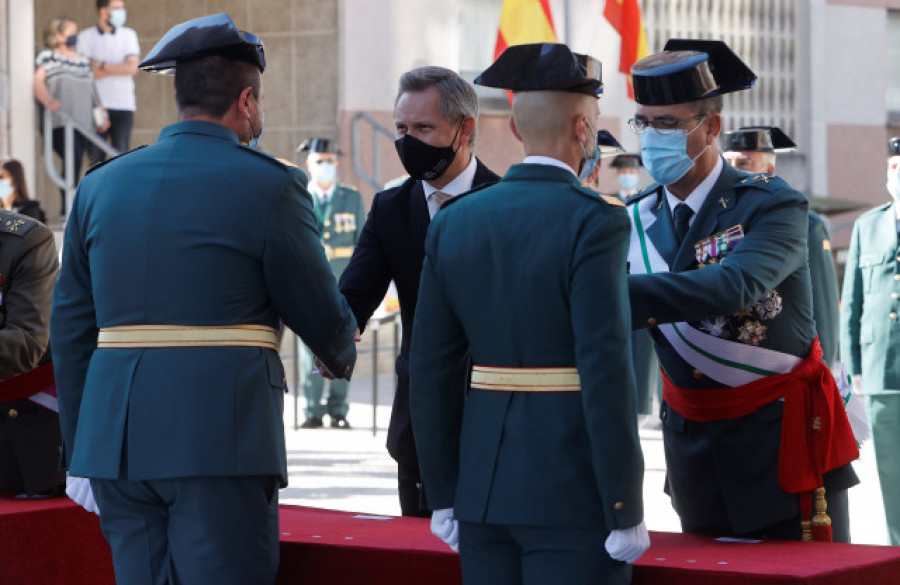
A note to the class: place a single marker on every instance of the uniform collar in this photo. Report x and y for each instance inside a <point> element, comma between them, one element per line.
<point>546,160</point>
<point>198,127</point>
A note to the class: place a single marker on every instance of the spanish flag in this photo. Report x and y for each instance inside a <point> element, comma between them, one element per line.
<point>625,17</point>
<point>523,22</point>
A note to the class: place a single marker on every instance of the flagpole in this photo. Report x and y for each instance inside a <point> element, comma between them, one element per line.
<point>567,19</point>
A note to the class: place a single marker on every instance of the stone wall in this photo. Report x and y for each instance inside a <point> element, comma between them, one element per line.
<point>300,85</point>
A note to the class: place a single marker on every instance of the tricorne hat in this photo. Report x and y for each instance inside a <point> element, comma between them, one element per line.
<point>688,70</point>
<point>323,145</point>
<point>759,139</point>
<point>627,161</point>
<point>208,35</point>
<point>894,146</point>
<point>544,66</point>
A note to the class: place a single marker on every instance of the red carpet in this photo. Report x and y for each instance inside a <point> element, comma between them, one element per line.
<point>54,542</point>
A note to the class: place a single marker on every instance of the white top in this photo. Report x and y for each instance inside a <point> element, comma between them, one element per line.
<point>321,196</point>
<point>116,92</point>
<point>698,196</point>
<point>458,186</point>
<point>546,160</point>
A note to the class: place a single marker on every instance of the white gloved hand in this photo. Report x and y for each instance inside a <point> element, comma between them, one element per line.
<point>446,527</point>
<point>79,490</point>
<point>628,544</point>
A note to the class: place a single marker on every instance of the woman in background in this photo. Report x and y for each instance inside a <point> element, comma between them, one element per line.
<point>64,81</point>
<point>14,191</point>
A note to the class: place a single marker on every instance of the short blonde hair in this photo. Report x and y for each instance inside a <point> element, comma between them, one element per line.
<point>55,27</point>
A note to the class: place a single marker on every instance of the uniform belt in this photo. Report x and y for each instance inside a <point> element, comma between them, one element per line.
<point>155,336</point>
<point>338,252</point>
<point>526,379</point>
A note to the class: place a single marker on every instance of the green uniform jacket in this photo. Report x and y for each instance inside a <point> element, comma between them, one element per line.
<point>195,229</point>
<point>340,221</point>
<point>870,328</point>
<point>28,266</point>
<point>529,272</point>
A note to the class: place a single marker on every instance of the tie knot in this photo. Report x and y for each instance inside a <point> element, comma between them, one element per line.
<point>439,198</point>
<point>683,213</point>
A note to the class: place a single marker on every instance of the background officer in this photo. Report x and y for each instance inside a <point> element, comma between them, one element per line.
<point>628,174</point>
<point>340,214</point>
<point>164,324</point>
<point>870,332</point>
<point>29,425</point>
<point>538,464</point>
<point>719,273</point>
<point>753,149</point>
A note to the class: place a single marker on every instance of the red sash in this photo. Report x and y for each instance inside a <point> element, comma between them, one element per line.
<point>28,384</point>
<point>815,433</point>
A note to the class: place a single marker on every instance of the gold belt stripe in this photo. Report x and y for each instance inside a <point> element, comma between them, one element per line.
<point>157,336</point>
<point>526,379</point>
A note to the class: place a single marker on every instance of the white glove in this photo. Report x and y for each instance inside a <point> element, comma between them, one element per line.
<point>628,544</point>
<point>853,404</point>
<point>79,490</point>
<point>446,527</point>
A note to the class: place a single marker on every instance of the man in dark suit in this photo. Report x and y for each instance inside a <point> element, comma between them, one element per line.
<point>435,116</point>
<point>719,274</point>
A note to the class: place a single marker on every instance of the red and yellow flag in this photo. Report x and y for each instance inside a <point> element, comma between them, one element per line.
<point>524,21</point>
<point>625,17</point>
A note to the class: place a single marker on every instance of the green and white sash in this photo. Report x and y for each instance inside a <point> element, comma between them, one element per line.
<point>728,362</point>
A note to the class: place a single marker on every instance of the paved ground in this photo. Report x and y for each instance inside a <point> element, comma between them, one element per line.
<point>351,470</point>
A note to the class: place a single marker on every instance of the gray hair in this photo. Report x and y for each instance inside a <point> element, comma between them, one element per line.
<point>458,97</point>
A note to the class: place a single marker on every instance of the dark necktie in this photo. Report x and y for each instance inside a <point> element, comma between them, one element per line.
<point>683,213</point>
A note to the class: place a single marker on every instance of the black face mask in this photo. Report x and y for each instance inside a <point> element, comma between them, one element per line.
<point>71,41</point>
<point>423,161</point>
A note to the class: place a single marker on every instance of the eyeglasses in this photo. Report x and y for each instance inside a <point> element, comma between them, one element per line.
<point>665,125</point>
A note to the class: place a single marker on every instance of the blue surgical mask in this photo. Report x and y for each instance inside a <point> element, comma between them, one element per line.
<point>118,17</point>
<point>6,188</point>
<point>628,181</point>
<point>324,173</point>
<point>665,155</point>
<point>589,162</point>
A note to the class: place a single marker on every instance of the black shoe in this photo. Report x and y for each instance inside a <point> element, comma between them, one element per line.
<point>339,422</point>
<point>312,422</point>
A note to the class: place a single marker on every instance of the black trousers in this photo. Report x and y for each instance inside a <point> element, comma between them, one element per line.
<point>409,484</point>
<point>79,145</point>
<point>118,134</point>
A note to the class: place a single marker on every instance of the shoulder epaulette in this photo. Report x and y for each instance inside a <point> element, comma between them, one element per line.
<point>765,181</point>
<point>648,190</point>
<point>283,161</point>
<point>15,224</point>
<point>103,163</point>
<point>612,200</point>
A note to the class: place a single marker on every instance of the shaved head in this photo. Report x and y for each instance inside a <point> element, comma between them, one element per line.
<point>558,124</point>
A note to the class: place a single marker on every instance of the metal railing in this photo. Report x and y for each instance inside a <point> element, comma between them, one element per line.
<point>70,126</point>
<point>374,179</point>
<point>373,327</point>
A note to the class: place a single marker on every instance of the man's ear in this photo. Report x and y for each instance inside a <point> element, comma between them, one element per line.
<point>244,99</point>
<point>515,130</point>
<point>715,127</point>
<point>467,128</point>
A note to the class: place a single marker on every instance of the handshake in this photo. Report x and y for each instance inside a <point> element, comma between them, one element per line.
<point>324,371</point>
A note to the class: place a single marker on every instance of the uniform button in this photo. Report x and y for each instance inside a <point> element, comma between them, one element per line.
<point>893,316</point>
<point>13,413</point>
<point>651,321</point>
<point>895,295</point>
<point>698,374</point>
<point>619,505</point>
